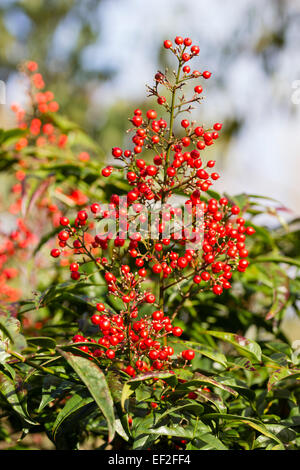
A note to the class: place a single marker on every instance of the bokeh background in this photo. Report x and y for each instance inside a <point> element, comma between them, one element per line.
<point>98,55</point>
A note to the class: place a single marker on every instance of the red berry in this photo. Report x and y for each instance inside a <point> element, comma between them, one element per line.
<point>137,120</point>
<point>177,331</point>
<point>142,272</point>
<point>78,339</point>
<point>55,253</point>
<point>195,50</point>
<point>150,298</point>
<point>199,131</point>
<point>106,172</point>
<point>117,152</point>
<point>131,176</point>
<point>167,44</point>
<point>235,210</point>
<point>130,371</point>
<point>96,319</point>
<point>140,163</point>
<point>206,74</point>
<point>186,141</point>
<point>182,262</point>
<point>74,267</point>
<point>161,100</point>
<point>100,307</point>
<point>151,170</point>
<point>157,315</point>
<point>179,40</point>
<point>188,354</point>
<point>198,89</point>
<point>187,42</point>
<point>205,276</point>
<point>151,114</point>
<point>186,56</point>
<point>250,230</point>
<point>64,221</point>
<point>63,235</point>
<point>217,289</point>
<point>82,216</point>
<point>110,354</point>
<point>171,172</point>
<point>156,268</point>
<point>75,275</point>
<point>95,208</point>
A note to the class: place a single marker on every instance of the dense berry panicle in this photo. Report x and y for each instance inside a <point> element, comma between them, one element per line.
<point>128,261</point>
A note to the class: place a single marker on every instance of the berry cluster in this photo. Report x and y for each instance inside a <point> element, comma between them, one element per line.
<point>216,227</point>
<point>140,342</point>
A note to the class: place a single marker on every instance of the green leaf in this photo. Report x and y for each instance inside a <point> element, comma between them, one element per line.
<point>126,392</point>
<point>146,433</point>
<point>76,407</point>
<point>281,374</point>
<point>42,341</point>
<point>192,406</point>
<point>200,379</point>
<point>246,347</point>
<point>240,388</point>
<point>152,375</point>
<point>284,433</point>
<point>206,441</point>
<point>276,259</point>
<point>53,388</point>
<point>213,398</point>
<point>10,336</point>
<point>120,430</point>
<point>195,428</point>
<point>249,421</point>
<point>205,350</point>
<point>281,293</point>
<point>9,391</point>
<point>132,384</point>
<point>95,381</point>
<point>11,136</point>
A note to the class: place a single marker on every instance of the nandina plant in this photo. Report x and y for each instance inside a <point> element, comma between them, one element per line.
<point>121,365</point>
<point>199,246</point>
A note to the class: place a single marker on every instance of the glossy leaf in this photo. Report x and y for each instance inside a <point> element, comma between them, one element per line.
<point>95,381</point>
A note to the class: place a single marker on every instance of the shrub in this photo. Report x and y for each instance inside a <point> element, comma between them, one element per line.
<point>148,343</point>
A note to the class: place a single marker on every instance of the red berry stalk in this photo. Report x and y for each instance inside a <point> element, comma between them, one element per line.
<point>129,258</point>
<point>40,131</point>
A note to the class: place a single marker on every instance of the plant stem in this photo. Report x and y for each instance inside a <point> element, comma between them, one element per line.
<point>46,370</point>
<point>172,108</point>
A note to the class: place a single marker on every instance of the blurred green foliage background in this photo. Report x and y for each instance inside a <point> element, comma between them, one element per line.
<point>97,55</point>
